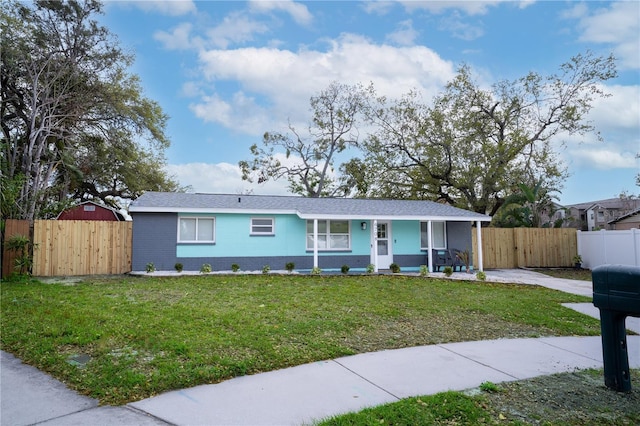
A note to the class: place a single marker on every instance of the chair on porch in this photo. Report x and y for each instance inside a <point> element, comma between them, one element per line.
<point>441,258</point>
<point>456,261</point>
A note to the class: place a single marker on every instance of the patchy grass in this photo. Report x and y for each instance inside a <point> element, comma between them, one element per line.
<point>448,408</point>
<point>578,398</point>
<point>567,273</point>
<point>137,337</point>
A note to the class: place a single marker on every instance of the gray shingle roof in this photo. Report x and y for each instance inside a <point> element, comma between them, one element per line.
<point>306,208</point>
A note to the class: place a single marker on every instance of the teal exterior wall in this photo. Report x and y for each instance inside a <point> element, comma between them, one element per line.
<point>233,239</point>
<point>406,237</point>
<point>155,239</point>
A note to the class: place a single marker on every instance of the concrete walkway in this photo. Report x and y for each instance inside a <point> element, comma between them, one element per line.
<point>302,394</point>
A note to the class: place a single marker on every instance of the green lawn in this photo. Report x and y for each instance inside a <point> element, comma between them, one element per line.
<point>568,399</point>
<point>147,335</point>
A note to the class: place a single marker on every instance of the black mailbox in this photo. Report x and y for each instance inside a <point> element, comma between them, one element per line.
<point>616,292</point>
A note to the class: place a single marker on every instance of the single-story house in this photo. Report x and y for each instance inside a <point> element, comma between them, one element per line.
<point>255,230</point>
<point>90,210</point>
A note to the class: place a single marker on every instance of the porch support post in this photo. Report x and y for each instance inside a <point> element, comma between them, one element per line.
<point>479,244</point>
<point>315,243</point>
<point>374,230</point>
<point>429,246</point>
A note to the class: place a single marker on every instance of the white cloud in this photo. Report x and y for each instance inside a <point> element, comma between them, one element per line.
<point>460,29</point>
<point>222,178</point>
<point>298,12</point>
<point>405,35</point>
<point>179,38</point>
<point>617,118</point>
<point>167,7</point>
<point>620,111</point>
<point>468,7</point>
<point>618,25</point>
<point>240,113</point>
<point>191,89</point>
<point>282,81</point>
<point>378,7</point>
<point>235,28</point>
<point>602,159</point>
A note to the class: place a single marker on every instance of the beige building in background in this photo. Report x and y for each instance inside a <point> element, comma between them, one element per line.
<point>628,221</point>
<point>602,214</point>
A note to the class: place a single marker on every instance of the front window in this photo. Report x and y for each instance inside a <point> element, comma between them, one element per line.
<point>438,235</point>
<point>332,235</point>
<point>262,226</point>
<point>196,230</point>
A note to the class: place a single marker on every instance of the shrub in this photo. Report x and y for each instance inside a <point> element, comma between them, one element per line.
<point>395,268</point>
<point>178,267</point>
<point>316,271</point>
<point>370,268</point>
<point>344,269</point>
<point>205,268</point>
<point>235,267</point>
<point>150,267</point>
<point>424,271</point>
<point>22,246</point>
<point>465,257</point>
<point>489,387</point>
<point>481,275</point>
<point>289,266</point>
<point>266,269</point>
<point>448,270</point>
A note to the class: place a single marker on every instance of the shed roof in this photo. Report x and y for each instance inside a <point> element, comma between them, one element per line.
<point>306,208</point>
<point>117,215</point>
<point>626,216</point>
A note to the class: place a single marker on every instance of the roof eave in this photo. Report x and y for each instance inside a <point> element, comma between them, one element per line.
<point>323,216</point>
<point>310,216</point>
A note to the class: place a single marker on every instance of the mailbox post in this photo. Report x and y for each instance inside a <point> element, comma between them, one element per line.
<point>616,292</point>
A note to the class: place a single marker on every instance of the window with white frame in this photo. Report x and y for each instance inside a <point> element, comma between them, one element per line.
<point>196,230</point>
<point>438,235</point>
<point>332,235</point>
<point>262,226</point>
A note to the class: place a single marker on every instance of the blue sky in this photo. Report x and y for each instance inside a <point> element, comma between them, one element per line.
<point>226,72</point>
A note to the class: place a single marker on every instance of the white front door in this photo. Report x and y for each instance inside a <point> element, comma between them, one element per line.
<point>384,246</point>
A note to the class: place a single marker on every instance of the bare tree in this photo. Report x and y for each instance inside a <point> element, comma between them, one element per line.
<point>332,131</point>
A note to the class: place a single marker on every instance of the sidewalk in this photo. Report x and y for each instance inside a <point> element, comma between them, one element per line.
<point>302,394</point>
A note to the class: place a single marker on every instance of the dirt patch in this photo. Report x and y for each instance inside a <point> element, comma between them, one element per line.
<point>567,273</point>
<point>578,398</point>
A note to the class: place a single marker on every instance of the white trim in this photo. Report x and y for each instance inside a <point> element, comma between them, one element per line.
<point>430,242</point>
<point>429,245</point>
<point>374,230</point>
<point>361,217</point>
<point>315,241</point>
<point>272,226</point>
<point>389,238</point>
<point>479,245</point>
<point>307,216</point>
<point>196,241</point>
<point>134,209</point>
<point>328,235</point>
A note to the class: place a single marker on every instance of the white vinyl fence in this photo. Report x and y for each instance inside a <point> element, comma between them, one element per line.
<point>609,247</point>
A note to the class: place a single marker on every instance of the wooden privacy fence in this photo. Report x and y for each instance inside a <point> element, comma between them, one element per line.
<point>505,248</point>
<point>81,247</point>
